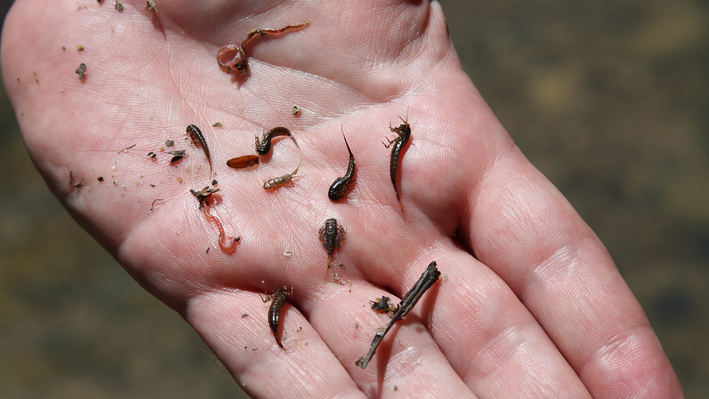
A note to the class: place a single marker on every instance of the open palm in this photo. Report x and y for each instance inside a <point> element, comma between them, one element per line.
<point>530,303</point>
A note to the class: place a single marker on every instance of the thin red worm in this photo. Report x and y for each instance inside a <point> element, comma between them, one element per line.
<point>223,241</point>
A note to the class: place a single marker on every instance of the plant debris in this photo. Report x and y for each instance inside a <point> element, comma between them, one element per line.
<point>178,155</point>
<point>151,6</point>
<point>203,194</point>
<point>127,148</point>
<point>153,204</point>
<point>384,305</point>
<point>81,71</point>
<point>427,279</point>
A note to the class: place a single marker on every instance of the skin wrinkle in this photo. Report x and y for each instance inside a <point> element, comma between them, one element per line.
<point>495,354</point>
<point>614,355</point>
<point>490,352</point>
<point>558,266</point>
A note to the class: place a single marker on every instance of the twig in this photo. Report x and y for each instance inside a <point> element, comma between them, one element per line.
<point>427,279</point>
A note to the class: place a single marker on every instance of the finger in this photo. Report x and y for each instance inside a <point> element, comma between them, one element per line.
<point>234,325</point>
<point>524,230</point>
<point>407,362</point>
<point>491,340</point>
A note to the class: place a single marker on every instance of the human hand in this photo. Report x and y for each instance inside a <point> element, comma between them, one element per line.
<point>531,305</point>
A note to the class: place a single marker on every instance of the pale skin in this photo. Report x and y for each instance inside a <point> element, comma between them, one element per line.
<point>530,305</point>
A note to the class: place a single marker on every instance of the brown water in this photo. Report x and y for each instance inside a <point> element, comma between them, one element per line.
<point>608,99</point>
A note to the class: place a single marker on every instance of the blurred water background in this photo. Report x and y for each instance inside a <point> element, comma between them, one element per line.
<point>609,99</point>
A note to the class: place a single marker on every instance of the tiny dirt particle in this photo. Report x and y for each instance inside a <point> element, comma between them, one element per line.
<point>169,143</point>
<point>80,47</point>
<point>217,124</point>
<point>125,150</point>
<point>100,178</point>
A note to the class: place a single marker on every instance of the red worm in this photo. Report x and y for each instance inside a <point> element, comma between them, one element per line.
<point>226,245</point>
